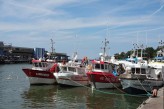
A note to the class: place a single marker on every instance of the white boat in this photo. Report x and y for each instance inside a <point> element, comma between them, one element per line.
<point>72,74</point>
<point>157,64</point>
<point>139,78</point>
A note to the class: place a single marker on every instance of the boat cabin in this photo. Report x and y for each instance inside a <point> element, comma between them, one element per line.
<point>41,65</point>
<point>138,70</point>
<point>67,69</point>
<point>102,66</point>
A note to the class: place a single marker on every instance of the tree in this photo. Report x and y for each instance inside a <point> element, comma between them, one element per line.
<point>150,52</point>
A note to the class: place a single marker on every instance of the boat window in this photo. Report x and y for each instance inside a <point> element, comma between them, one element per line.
<point>43,64</point>
<point>143,71</point>
<point>102,66</point>
<point>97,66</point>
<point>139,70</point>
<point>40,64</point>
<point>106,66</point>
<point>36,64</point>
<point>33,64</point>
<point>71,69</point>
<point>58,69</point>
<point>64,68</point>
<point>110,68</point>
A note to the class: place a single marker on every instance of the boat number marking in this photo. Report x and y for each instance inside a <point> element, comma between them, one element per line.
<point>40,74</point>
<point>108,79</point>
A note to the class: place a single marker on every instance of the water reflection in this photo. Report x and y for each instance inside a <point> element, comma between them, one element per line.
<point>77,98</point>
<point>54,96</point>
<point>39,96</point>
<point>113,99</point>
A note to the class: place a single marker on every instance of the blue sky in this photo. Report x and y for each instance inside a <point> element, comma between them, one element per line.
<point>82,25</point>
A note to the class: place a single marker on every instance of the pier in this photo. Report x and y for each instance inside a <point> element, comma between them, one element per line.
<point>154,103</point>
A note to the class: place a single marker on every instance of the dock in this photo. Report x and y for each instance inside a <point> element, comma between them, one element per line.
<point>154,103</point>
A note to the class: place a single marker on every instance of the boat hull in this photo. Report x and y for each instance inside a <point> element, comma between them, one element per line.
<point>136,86</point>
<point>100,85</point>
<point>103,80</point>
<point>39,76</point>
<point>71,79</point>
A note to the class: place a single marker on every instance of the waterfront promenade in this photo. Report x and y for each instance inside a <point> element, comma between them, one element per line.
<point>154,103</point>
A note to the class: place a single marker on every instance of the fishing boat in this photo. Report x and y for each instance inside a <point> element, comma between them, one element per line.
<point>139,77</point>
<point>43,68</point>
<point>72,74</point>
<point>41,72</point>
<point>140,83</point>
<point>156,65</point>
<point>102,73</point>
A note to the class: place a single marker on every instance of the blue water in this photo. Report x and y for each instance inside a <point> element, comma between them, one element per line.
<point>16,93</point>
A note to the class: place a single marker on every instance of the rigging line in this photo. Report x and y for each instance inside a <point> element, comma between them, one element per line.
<point>126,94</point>
<point>143,87</point>
<point>148,70</point>
<point>113,83</point>
<point>139,95</point>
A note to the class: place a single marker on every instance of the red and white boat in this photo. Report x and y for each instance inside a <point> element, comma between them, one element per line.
<point>101,75</point>
<point>102,72</point>
<point>41,72</point>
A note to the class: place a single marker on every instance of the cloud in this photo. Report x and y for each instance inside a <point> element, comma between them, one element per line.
<point>38,21</point>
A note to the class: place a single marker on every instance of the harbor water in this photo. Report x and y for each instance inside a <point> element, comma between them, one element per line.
<point>16,93</point>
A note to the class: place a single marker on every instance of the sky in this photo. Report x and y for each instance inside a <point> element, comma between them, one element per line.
<point>82,25</point>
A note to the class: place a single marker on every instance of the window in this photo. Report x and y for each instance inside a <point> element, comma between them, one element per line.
<point>36,64</point>
<point>71,69</point>
<point>97,66</point>
<point>102,66</point>
<point>64,68</point>
<point>106,66</point>
<point>40,64</point>
<point>110,68</point>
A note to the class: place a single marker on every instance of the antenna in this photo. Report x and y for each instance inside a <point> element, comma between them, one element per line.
<point>105,46</point>
<point>52,46</point>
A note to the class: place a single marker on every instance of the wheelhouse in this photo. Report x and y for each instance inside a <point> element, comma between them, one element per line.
<point>67,69</point>
<point>102,66</point>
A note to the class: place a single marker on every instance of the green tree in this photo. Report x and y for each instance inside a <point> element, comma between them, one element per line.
<point>150,52</point>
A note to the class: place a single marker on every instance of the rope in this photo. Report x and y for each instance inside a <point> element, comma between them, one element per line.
<point>113,84</point>
<point>139,95</point>
<point>143,87</point>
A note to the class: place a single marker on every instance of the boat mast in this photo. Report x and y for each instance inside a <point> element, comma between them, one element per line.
<point>52,46</point>
<point>105,47</point>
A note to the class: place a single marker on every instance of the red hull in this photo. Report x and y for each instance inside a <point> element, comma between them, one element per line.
<point>102,77</point>
<point>38,73</point>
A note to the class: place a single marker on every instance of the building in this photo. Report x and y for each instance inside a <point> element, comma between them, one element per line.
<point>39,53</point>
<point>12,54</point>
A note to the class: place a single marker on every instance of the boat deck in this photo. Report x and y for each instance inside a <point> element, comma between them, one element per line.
<point>154,103</point>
